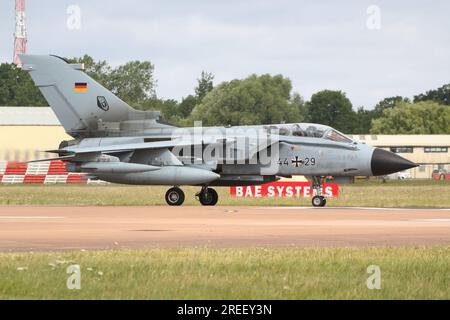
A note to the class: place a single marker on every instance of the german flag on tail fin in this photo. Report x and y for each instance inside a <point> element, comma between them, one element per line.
<point>80,87</point>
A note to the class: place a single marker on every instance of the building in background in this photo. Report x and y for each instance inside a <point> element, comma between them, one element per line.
<point>27,131</point>
<point>430,151</point>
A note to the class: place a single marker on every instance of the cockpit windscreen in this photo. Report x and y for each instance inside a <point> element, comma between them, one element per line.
<point>334,135</point>
<point>308,130</point>
<point>298,130</point>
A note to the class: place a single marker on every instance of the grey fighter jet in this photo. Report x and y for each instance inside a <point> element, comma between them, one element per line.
<point>116,143</point>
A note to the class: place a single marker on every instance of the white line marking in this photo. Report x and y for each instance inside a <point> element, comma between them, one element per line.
<point>430,220</point>
<point>358,208</point>
<point>23,218</point>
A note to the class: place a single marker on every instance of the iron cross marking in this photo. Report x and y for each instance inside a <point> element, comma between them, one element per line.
<point>297,162</point>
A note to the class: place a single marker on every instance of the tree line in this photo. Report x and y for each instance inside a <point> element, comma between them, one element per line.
<point>257,99</point>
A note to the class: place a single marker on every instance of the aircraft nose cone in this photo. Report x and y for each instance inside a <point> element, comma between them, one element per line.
<point>386,162</point>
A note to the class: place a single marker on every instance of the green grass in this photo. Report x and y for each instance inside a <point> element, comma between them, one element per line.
<point>413,193</point>
<point>201,273</point>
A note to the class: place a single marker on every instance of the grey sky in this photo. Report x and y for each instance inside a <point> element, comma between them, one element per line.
<point>317,44</point>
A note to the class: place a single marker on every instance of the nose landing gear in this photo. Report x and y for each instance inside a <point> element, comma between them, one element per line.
<point>318,200</point>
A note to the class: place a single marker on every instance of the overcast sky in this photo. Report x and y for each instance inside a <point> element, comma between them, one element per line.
<point>317,44</point>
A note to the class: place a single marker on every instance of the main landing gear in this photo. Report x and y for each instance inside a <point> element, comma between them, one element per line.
<point>175,196</point>
<point>207,196</point>
<point>318,200</point>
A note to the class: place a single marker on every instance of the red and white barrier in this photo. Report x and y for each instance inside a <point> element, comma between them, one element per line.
<point>39,173</point>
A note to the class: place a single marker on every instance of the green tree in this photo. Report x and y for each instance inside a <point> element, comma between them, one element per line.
<point>425,117</point>
<point>262,99</point>
<point>133,82</point>
<point>298,103</point>
<point>187,105</point>
<point>440,95</point>
<point>98,70</point>
<point>17,88</point>
<point>205,85</point>
<point>332,108</point>
<point>387,103</point>
<point>168,108</point>
<point>363,121</point>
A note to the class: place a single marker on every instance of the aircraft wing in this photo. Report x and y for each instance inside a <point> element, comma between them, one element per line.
<point>158,149</point>
<point>63,158</point>
<point>119,148</point>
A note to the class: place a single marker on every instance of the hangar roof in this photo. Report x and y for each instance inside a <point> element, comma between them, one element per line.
<point>27,116</point>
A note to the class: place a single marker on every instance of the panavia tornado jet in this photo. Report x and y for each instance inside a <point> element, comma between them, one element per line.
<point>116,143</point>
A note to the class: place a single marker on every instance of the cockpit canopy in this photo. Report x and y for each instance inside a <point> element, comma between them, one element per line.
<point>310,130</point>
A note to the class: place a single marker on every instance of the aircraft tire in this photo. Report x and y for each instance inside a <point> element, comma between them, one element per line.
<point>319,201</point>
<point>208,198</point>
<point>175,196</point>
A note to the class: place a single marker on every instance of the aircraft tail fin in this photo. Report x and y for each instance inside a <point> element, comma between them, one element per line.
<point>78,101</point>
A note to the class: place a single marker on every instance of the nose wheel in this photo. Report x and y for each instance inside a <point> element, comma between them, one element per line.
<point>318,200</point>
<point>208,197</point>
<point>175,196</point>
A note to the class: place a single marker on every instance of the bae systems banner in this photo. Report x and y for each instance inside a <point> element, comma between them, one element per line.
<point>283,190</point>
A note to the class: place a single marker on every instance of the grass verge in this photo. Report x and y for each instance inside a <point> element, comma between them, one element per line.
<point>201,273</point>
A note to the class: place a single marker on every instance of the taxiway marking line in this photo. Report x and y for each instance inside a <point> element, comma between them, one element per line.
<point>25,218</point>
<point>356,208</point>
<point>430,220</point>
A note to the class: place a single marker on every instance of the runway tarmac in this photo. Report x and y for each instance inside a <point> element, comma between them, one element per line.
<point>64,228</point>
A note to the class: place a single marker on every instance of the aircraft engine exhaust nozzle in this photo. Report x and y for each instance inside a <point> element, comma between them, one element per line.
<point>386,162</point>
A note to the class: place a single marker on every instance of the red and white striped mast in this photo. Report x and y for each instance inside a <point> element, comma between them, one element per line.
<point>20,42</point>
